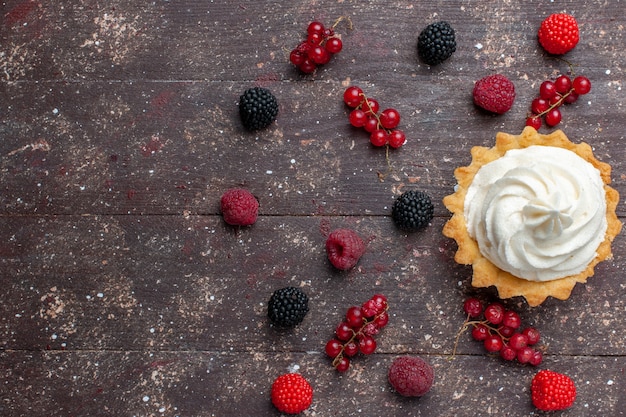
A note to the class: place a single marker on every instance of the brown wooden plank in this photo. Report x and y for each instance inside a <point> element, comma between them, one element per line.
<point>128,282</point>
<point>208,383</point>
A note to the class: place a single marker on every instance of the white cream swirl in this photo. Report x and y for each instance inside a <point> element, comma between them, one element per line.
<point>538,212</point>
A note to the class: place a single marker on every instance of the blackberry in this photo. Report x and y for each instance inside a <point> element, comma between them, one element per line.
<point>258,108</point>
<point>436,43</point>
<point>412,210</point>
<point>287,307</point>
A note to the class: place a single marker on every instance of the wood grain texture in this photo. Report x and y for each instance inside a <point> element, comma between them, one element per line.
<point>124,292</point>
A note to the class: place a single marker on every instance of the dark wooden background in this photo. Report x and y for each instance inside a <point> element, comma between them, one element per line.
<point>125,294</point>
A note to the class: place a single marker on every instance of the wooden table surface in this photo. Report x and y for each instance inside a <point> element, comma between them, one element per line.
<point>124,293</point>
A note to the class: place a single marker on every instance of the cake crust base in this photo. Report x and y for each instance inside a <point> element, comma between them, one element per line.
<point>485,273</point>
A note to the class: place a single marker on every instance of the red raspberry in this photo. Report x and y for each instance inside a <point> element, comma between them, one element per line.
<point>552,391</point>
<point>344,248</point>
<point>291,393</point>
<point>239,207</point>
<point>494,93</point>
<point>558,33</point>
<point>411,376</point>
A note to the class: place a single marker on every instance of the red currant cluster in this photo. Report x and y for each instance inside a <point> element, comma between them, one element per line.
<point>500,331</point>
<point>318,48</point>
<point>551,95</point>
<point>381,126</point>
<point>356,332</point>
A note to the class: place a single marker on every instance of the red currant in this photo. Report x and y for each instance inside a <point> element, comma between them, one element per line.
<point>315,27</point>
<point>371,124</point>
<point>389,118</point>
<point>547,90</point>
<point>511,319</point>
<point>397,138</point>
<point>525,354</point>
<point>480,332</point>
<point>379,137</point>
<point>508,353</point>
<point>571,97</point>
<point>381,320</point>
<point>358,118</point>
<point>307,66</point>
<point>367,345</point>
<point>506,331</point>
<point>553,117</point>
<point>534,122</point>
<point>473,307</point>
<point>333,348</point>
<point>351,348</point>
<point>563,84</point>
<point>296,57</point>
<point>581,85</point>
<point>319,55</point>
<point>343,364</point>
<point>518,341</point>
<point>532,335</point>
<point>493,343</point>
<point>539,105</point>
<point>494,313</point>
<point>371,106</point>
<point>537,358</point>
<point>344,331</point>
<point>354,317</point>
<point>353,96</point>
<point>333,45</point>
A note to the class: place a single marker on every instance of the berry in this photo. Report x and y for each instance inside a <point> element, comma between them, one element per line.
<point>239,207</point>
<point>581,85</point>
<point>493,343</point>
<point>389,118</point>
<point>494,313</point>
<point>412,210</point>
<point>258,108</point>
<point>562,84</point>
<point>511,319</point>
<point>367,345</point>
<point>553,117</point>
<point>291,393</point>
<point>356,332</point>
<point>381,126</point>
<point>534,122</point>
<point>499,330</point>
<point>558,33</point>
<point>353,96</point>
<point>355,317</point>
<point>436,43</point>
<point>411,376</point>
<point>508,353</point>
<point>287,307</point>
<point>319,47</point>
<point>379,137</point>
<point>473,307</point>
<point>397,138</point>
<point>532,335</point>
<point>551,391</point>
<point>494,93</point>
<point>344,248</point>
<point>547,90</point>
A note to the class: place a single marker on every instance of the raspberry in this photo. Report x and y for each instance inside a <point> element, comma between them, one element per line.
<point>411,376</point>
<point>344,248</point>
<point>436,43</point>
<point>258,108</point>
<point>239,207</point>
<point>412,210</point>
<point>558,33</point>
<point>287,307</point>
<point>552,391</point>
<point>494,93</point>
<point>291,393</point>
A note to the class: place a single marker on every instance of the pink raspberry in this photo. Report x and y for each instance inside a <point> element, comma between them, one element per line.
<point>494,93</point>
<point>239,207</point>
<point>344,248</point>
<point>411,376</point>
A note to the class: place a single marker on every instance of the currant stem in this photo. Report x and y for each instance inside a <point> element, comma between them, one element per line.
<point>555,105</point>
<point>354,335</point>
<point>340,19</point>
